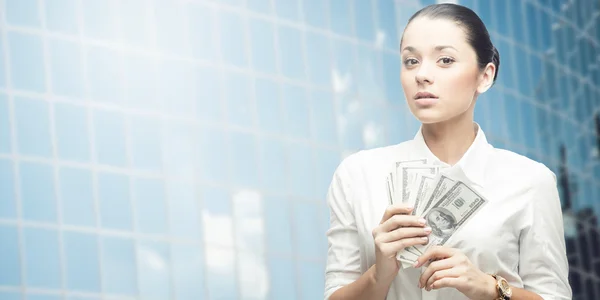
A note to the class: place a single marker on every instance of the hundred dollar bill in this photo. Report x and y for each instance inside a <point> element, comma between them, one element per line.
<point>450,214</point>
<point>398,174</point>
<point>442,184</point>
<point>423,186</point>
<point>408,176</point>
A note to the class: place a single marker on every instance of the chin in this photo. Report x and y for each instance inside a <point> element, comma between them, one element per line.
<point>429,116</point>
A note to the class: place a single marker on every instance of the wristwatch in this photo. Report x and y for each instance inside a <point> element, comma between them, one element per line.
<point>504,290</point>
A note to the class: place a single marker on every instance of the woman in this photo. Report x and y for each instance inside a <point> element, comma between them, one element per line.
<point>513,248</point>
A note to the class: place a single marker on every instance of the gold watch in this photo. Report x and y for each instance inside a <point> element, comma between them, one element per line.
<point>504,290</point>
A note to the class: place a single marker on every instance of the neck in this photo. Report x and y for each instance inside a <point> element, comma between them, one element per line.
<point>449,140</point>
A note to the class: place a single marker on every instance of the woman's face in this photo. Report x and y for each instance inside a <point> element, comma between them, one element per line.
<point>439,74</point>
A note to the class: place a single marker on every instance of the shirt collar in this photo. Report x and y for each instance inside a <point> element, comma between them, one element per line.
<point>472,163</point>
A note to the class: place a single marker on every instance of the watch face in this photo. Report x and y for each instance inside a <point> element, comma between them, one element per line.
<point>505,287</point>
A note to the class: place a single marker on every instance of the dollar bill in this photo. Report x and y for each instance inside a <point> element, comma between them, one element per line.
<point>398,179</point>
<point>422,188</point>
<point>449,215</point>
<point>409,174</point>
<point>442,184</point>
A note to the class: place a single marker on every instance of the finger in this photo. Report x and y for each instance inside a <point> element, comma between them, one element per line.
<point>402,221</point>
<point>438,275</point>
<point>403,233</point>
<point>451,282</point>
<point>434,267</point>
<point>394,210</point>
<point>435,253</point>
<point>394,247</point>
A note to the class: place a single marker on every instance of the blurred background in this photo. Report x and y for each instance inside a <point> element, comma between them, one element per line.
<point>182,149</point>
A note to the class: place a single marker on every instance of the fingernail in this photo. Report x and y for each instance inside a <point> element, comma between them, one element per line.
<point>422,221</point>
<point>425,238</point>
<point>427,229</point>
<point>415,265</point>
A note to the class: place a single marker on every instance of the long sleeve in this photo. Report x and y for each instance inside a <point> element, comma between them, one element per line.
<point>343,256</point>
<point>543,264</point>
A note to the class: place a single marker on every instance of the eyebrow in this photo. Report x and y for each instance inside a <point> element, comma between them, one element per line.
<point>437,48</point>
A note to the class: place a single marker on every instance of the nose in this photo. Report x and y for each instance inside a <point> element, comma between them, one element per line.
<point>424,75</point>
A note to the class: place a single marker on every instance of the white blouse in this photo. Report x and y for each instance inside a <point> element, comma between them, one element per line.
<point>518,234</point>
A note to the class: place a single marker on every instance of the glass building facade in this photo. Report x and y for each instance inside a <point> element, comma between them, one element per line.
<point>170,149</point>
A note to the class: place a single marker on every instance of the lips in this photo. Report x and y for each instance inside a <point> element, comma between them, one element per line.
<point>421,95</point>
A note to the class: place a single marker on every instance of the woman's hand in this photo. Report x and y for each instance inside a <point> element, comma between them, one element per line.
<point>451,268</point>
<point>396,231</point>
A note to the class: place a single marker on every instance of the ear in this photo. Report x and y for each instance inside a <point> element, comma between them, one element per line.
<point>486,78</point>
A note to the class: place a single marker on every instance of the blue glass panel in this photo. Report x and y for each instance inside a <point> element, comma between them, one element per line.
<point>5,124</point>
<point>26,62</point>
<point>386,16</point>
<point>213,155</point>
<point>202,30</point>
<point>363,20</point>
<point>38,197</point>
<point>170,35</point>
<point>134,18</point>
<point>528,121</point>
<point>531,17</point>
<point>244,155</point>
<point>153,269</point>
<point>312,280</point>
<point>176,83</point>
<point>66,68</point>
<point>43,297</point>
<point>145,139</point>
<point>291,50</point>
<point>6,295</point>
<point>81,253</point>
<point>500,12</point>
<point>180,149</point>
<point>188,271</point>
<point>340,17</point>
<point>300,170</point>
<point>33,127</point>
<point>391,76</point>
<point>109,138</point>
<point>344,68</point>
<point>516,8</point>
<point>8,204</point>
<point>484,10</point>
<point>297,113</point>
<point>283,279</point>
<point>315,13</point>
<point>43,268</point>
<point>323,118</point>
<point>512,116</point>
<point>218,216</point>
<point>149,201</point>
<point>72,133</point>
<point>140,79</point>
<point>221,274</point>
<point>273,164</point>
<point>3,64</point>
<point>104,75</point>
<point>277,214</point>
<point>23,13</point>
<point>240,109</point>
<point>506,74</point>
<point>209,104</point>
<point>318,59</point>
<point>287,9</point>
<point>76,196</point>
<point>115,205</point>
<point>326,161</point>
<point>10,258</point>
<point>184,210</point>
<point>545,31</point>
<point>98,20</point>
<point>268,105</point>
<point>307,230</point>
<point>262,34</point>
<point>119,275</point>
<point>397,128</point>
<point>260,6</point>
<point>523,79</point>
<point>233,46</point>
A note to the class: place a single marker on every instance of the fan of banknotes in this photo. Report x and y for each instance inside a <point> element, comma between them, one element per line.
<point>441,195</point>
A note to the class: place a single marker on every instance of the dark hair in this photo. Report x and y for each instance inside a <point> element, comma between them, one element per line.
<point>477,34</point>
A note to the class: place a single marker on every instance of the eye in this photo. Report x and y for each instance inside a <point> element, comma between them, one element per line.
<point>410,62</point>
<point>446,60</point>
